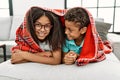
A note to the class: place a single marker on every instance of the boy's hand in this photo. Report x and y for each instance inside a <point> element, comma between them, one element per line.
<point>70,57</point>
<point>73,54</point>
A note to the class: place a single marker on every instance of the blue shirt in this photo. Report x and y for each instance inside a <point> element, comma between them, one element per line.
<point>71,46</point>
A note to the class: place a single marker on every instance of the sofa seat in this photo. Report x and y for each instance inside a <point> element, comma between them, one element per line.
<point>115,41</point>
<point>104,70</point>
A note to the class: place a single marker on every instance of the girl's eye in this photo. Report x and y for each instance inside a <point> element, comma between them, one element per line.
<point>37,24</point>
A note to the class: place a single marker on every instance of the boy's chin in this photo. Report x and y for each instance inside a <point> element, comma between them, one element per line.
<point>70,38</point>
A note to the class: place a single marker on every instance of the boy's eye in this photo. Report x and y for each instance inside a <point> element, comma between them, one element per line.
<point>69,29</point>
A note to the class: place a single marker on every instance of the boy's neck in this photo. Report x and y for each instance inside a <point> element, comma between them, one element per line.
<point>79,40</point>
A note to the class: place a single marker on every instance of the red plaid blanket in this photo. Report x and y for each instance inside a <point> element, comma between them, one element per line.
<point>94,49</point>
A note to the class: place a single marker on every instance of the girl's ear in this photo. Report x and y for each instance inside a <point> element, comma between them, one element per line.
<point>83,30</point>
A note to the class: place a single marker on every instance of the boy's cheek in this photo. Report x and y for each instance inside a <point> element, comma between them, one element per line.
<point>69,37</point>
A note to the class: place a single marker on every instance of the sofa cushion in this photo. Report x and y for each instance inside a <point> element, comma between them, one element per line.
<point>102,29</point>
<point>105,70</point>
<point>5,25</point>
<point>17,20</point>
<point>115,41</point>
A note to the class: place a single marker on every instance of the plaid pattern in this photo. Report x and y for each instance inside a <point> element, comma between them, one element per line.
<point>94,49</point>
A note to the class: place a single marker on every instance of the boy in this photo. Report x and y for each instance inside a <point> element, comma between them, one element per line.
<point>76,22</point>
<point>82,39</point>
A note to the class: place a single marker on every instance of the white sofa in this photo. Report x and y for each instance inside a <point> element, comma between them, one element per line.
<point>108,69</point>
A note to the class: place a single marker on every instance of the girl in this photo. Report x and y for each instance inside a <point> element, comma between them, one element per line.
<point>39,38</point>
<point>83,44</point>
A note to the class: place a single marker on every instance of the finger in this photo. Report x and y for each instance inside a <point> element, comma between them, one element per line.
<point>72,57</point>
<point>68,63</point>
<point>69,60</point>
<point>12,61</point>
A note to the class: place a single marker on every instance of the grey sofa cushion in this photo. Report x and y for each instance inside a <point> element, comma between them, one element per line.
<point>5,25</point>
<point>102,29</point>
<point>17,20</point>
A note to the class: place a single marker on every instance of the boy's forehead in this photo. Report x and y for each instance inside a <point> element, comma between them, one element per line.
<point>72,23</point>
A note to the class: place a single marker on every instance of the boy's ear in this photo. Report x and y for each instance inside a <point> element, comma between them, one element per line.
<point>83,30</point>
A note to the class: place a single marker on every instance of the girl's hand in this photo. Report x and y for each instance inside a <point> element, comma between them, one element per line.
<point>17,56</point>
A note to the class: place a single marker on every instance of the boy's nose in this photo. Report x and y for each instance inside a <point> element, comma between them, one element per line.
<point>66,31</point>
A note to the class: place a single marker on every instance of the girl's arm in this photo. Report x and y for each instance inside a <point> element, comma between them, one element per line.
<point>24,56</point>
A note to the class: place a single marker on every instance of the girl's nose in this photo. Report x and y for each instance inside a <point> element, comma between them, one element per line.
<point>42,29</point>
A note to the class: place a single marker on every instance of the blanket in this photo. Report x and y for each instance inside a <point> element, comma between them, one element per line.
<point>94,49</point>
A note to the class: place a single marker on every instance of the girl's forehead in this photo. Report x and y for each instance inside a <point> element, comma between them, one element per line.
<point>43,19</point>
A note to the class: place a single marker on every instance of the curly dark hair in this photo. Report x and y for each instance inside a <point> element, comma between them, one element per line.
<point>56,35</point>
<point>78,15</point>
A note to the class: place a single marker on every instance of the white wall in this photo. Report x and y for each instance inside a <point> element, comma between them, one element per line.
<point>21,6</point>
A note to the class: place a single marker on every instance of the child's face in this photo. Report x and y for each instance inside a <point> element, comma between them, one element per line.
<point>42,27</point>
<point>72,30</point>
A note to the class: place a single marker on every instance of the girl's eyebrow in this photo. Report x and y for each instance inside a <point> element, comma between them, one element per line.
<point>40,22</point>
